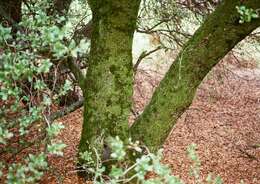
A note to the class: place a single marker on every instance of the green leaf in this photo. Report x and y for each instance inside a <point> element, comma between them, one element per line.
<point>218,180</point>
<point>44,66</point>
<point>87,157</point>
<point>5,33</point>
<point>143,166</point>
<point>47,100</point>
<point>116,172</point>
<point>4,135</point>
<point>54,129</point>
<point>39,85</point>
<point>56,148</point>
<point>59,49</point>
<point>117,148</point>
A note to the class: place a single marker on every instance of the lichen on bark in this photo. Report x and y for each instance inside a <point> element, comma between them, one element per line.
<point>212,41</point>
<point>109,79</point>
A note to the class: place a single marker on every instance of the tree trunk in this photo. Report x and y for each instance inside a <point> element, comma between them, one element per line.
<point>211,42</point>
<point>109,79</point>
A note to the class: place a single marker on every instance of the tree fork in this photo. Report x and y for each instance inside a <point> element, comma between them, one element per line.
<point>212,41</point>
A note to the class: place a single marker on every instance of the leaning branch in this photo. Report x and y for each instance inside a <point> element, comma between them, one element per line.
<point>67,110</point>
<point>200,54</point>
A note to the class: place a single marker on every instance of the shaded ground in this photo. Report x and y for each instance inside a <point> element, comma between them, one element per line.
<point>223,121</point>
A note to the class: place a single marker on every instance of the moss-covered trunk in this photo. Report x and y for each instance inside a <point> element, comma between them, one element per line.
<point>211,42</point>
<point>109,79</point>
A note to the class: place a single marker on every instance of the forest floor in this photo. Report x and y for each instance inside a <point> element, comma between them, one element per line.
<point>223,121</point>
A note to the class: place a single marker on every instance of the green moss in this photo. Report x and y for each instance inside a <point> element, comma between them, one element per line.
<point>211,42</point>
<point>109,80</point>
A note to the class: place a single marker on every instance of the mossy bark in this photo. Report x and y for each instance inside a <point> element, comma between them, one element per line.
<point>212,41</point>
<point>109,79</point>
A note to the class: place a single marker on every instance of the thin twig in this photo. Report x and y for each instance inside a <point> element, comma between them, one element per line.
<point>143,55</point>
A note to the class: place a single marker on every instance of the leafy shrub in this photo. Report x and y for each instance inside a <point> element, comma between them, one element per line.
<point>246,14</point>
<point>145,162</point>
<point>27,57</point>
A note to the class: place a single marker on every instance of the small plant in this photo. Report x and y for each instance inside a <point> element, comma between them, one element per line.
<point>136,171</point>
<point>122,172</point>
<point>246,14</point>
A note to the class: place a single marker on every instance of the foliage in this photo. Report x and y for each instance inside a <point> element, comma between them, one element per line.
<point>27,56</point>
<point>29,172</point>
<point>246,14</point>
<point>145,163</point>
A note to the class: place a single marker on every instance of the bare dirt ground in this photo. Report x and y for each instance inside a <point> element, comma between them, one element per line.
<point>223,120</point>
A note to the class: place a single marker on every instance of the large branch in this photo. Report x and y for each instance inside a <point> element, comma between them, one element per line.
<point>212,41</point>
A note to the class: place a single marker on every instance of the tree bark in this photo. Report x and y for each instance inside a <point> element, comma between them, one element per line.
<point>109,79</point>
<point>212,41</point>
